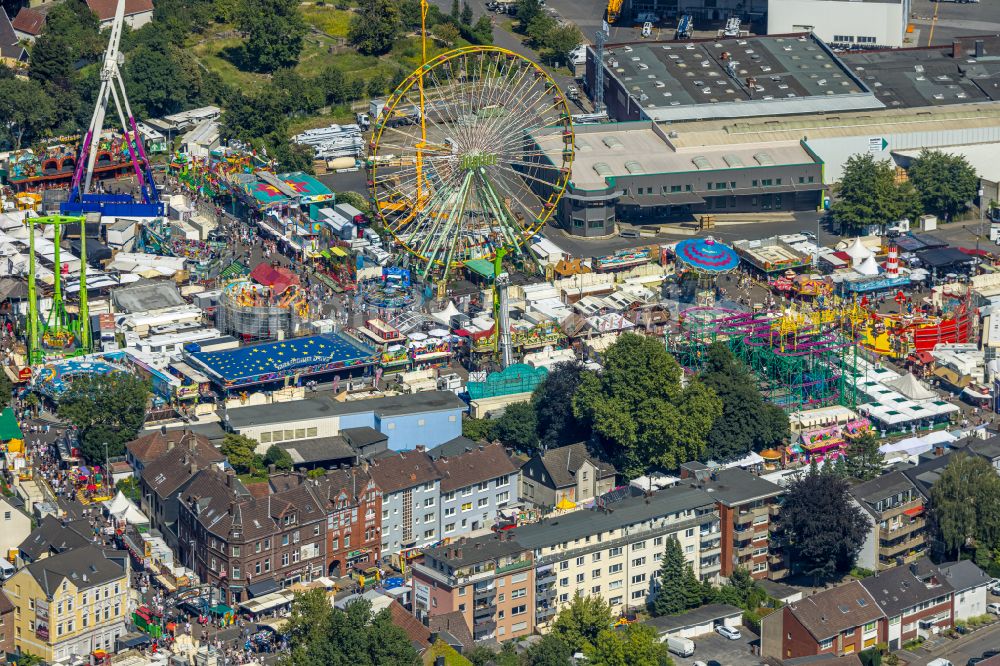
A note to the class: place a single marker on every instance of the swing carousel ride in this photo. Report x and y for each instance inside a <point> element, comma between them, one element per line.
<point>460,159</point>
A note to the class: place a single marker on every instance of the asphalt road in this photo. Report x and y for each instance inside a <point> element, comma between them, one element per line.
<point>959,651</point>
<point>954,19</point>
<point>715,650</point>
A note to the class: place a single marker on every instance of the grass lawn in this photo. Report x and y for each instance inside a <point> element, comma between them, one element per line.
<point>327,19</point>
<point>211,52</point>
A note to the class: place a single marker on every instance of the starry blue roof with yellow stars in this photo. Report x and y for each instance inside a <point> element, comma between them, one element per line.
<point>278,358</point>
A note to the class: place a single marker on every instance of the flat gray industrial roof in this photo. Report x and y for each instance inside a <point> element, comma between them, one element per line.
<point>665,76</point>
<point>323,407</point>
<point>905,78</point>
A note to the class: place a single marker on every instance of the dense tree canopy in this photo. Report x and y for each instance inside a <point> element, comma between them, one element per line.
<point>824,529</point>
<point>864,460</point>
<point>579,623</point>
<point>965,505</point>
<point>635,645</point>
<point>274,30</point>
<point>279,457</point>
<point>374,28</point>
<point>869,195</point>
<point>106,409</point>
<point>553,401</point>
<point>946,183</point>
<point>640,412</point>
<point>516,428</point>
<point>239,450</point>
<point>748,422</point>
<point>321,635</point>
<point>549,651</point>
<point>27,110</point>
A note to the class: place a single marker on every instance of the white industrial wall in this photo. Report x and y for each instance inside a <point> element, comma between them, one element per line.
<point>835,151</point>
<point>885,21</point>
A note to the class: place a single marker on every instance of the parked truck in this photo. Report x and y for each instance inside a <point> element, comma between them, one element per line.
<point>400,116</point>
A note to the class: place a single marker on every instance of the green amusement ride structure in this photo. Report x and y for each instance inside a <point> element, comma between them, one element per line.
<point>57,334</point>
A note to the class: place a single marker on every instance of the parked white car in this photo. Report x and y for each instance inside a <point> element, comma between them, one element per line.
<point>993,609</point>
<point>735,635</point>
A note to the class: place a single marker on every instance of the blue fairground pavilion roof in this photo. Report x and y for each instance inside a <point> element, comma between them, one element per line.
<point>707,255</point>
<point>273,361</point>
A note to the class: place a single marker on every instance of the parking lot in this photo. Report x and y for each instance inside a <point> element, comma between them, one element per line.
<point>715,650</point>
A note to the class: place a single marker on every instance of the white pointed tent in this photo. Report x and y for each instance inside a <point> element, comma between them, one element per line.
<point>122,508</point>
<point>867,266</point>
<point>444,316</point>
<point>910,387</point>
<point>858,252</point>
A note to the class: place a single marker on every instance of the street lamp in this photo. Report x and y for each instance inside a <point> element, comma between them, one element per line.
<point>981,218</point>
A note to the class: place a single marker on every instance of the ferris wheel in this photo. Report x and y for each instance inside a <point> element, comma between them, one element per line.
<point>471,154</point>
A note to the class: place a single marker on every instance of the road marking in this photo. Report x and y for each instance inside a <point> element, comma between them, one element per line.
<point>930,35</point>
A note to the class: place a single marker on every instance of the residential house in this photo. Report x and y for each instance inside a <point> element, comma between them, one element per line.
<point>353,505</point>
<point>15,527</point>
<point>490,580</point>
<point>154,445</point>
<point>425,418</point>
<point>70,604</point>
<point>411,495</point>
<point>837,621</point>
<point>54,536</point>
<point>894,508</point>
<point>6,624</point>
<point>137,12</point>
<point>249,546</point>
<point>748,509</point>
<point>969,583</point>
<point>474,486</point>
<point>162,481</point>
<point>11,51</point>
<point>916,599</point>
<point>568,474</point>
<point>28,23</point>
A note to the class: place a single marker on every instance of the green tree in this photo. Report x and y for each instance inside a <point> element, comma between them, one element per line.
<point>965,505</point>
<point>51,62</point>
<point>678,589</point>
<point>478,430</point>
<point>639,411</point>
<point>824,529</point>
<point>516,428</point>
<point>277,456</point>
<point>864,460</point>
<point>526,11</point>
<point>538,30</point>
<point>130,488</point>
<point>868,194</point>
<point>559,41</point>
<point>74,22</point>
<point>374,28</point>
<point>106,409</point>
<point>447,33</point>
<point>455,11</point>
<point>946,182</point>
<point>482,31</point>
<point>553,402</point>
<point>635,645</point>
<point>273,30</point>
<point>579,623</point>
<point>741,590</point>
<point>748,422</point>
<point>27,111</point>
<point>240,451</point>
<point>466,16</point>
<point>321,635</point>
<point>549,651</point>
<point>154,78</point>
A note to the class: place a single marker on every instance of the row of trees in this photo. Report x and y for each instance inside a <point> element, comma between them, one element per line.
<point>639,413</point>
<point>869,194</point>
<point>241,452</point>
<point>964,512</point>
<point>378,24</point>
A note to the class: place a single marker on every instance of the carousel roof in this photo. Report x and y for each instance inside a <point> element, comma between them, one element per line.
<point>707,255</point>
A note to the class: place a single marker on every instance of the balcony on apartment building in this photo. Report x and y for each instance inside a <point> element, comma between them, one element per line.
<point>710,564</point>
<point>713,547</point>
<point>545,575</point>
<point>484,630</point>
<point>899,547</point>
<point>912,509</point>
<point>483,591</point>
<point>905,526</point>
<point>545,611</point>
<point>483,612</point>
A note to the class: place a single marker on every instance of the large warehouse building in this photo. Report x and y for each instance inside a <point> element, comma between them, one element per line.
<point>843,23</point>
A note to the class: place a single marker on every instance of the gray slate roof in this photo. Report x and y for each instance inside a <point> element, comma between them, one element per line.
<point>85,567</point>
<point>963,575</point>
<point>562,464</point>
<point>897,589</point>
<point>324,407</point>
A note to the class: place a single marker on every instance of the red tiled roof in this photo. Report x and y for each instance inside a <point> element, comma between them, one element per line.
<point>29,21</point>
<point>480,464</point>
<point>105,9</point>
<point>414,628</point>
<point>278,278</point>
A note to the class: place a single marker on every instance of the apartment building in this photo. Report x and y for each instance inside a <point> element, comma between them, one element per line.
<point>748,509</point>
<point>894,507</point>
<point>411,495</point>
<point>474,486</point>
<point>353,504</point>
<point>565,476</point>
<point>490,580</point>
<point>917,600</point>
<point>249,546</point>
<point>70,604</point>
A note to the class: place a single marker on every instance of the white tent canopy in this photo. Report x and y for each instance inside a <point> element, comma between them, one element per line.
<point>122,508</point>
<point>444,316</point>
<point>910,387</point>
<point>858,252</point>
<point>867,266</point>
